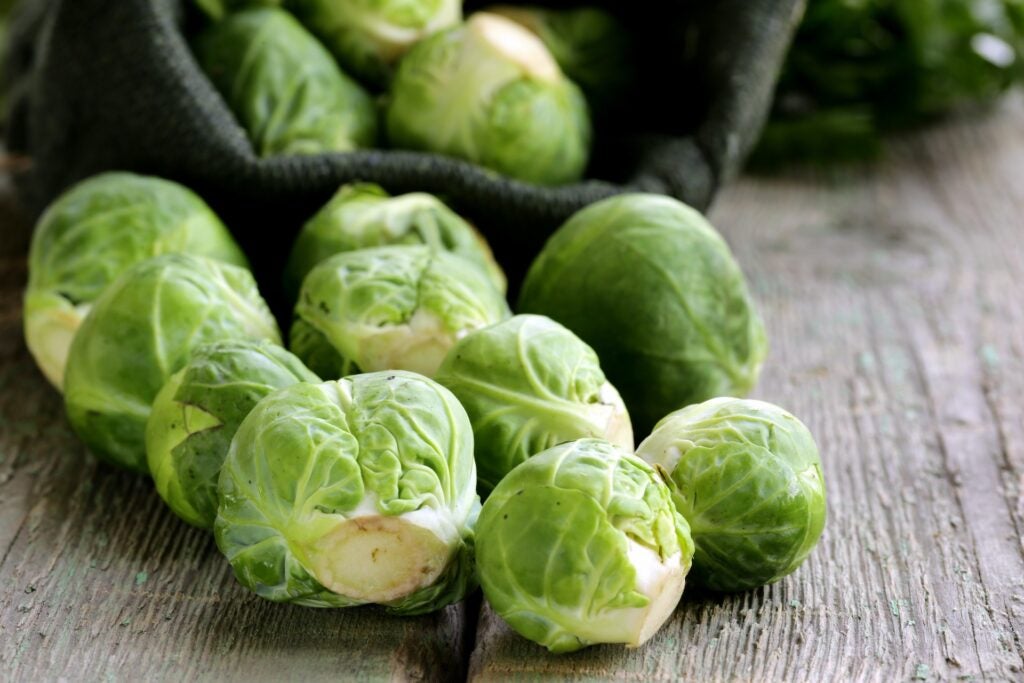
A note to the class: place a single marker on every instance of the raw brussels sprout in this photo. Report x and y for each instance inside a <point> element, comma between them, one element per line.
<point>528,384</point>
<point>284,88</point>
<point>352,492</point>
<point>369,36</point>
<point>489,92</point>
<point>581,545</point>
<point>648,283</point>
<point>589,44</point>
<point>196,414</point>
<point>143,329</point>
<point>747,477</point>
<point>390,307</point>
<point>364,215</point>
<point>90,235</point>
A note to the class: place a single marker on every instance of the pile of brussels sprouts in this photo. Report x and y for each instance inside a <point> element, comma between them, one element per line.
<point>507,88</point>
<point>349,469</point>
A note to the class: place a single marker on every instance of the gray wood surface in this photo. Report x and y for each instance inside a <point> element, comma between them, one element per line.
<point>894,298</point>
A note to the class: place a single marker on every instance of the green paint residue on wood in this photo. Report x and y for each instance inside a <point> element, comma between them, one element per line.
<point>922,672</point>
<point>895,606</point>
<point>795,603</point>
<point>989,356</point>
<point>141,578</point>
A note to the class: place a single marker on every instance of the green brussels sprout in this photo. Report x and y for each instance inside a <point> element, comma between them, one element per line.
<point>284,88</point>
<point>528,384</point>
<point>94,232</point>
<point>647,282</point>
<point>143,329</point>
<point>490,92</point>
<point>390,307</point>
<point>589,44</point>
<point>364,215</point>
<point>747,477</point>
<point>581,545</point>
<point>369,36</point>
<point>196,414</point>
<point>351,492</point>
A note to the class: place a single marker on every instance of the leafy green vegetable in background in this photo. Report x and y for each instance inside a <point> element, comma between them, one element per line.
<point>529,384</point>
<point>94,232</point>
<point>369,36</point>
<point>654,289</point>
<point>590,45</point>
<point>218,9</point>
<point>364,215</point>
<point>581,545</point>
<point>490,92</point>
<point>140,331</point>
<point>198,411</point>
<point>746,476</point>
<point>859,68</point>
<point>390,307</point>
<point>351,492</point>
<point>284,87</point>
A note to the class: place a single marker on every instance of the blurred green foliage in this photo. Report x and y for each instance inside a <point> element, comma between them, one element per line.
<point>861,68</point>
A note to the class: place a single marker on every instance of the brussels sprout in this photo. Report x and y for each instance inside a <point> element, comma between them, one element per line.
<point>747,477</point>
<point>196,414</point>
<point>142,330</point>
<point>364,215</point>
<point>284,87</point>
<point>390,307</point>
<point>91,234</point>
<point>369,36</point>
<point>589,44</point>
<point>352,492</point>
<point>654,289</point>
<point>490,92</point>
<point>529,384</point>
<point>581,545</point>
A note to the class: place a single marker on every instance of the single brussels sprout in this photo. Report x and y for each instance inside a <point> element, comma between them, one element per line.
<point>647,282</point>
<point>369,36</point>
<point>284,88</point>
<point>357,491</point>
<point>747,477</point>
<point>390,308</point>
<point>196,414</point>
<point>490,92</point>
<point>581,545</point>
<point>94,232</point>
<point>143,329</point>
<point>589,44</point>
<point>364,215</point>
<point>529,384</point>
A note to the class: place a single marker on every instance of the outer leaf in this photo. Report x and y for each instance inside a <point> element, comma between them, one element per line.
<point>94,232</point>
<point>143,329</point>
<point>653,288</point>
<point>314,469</point>
<point>747,477</point>
<point>197,413</point>
<point>284,87</point>
<point>529,384</point>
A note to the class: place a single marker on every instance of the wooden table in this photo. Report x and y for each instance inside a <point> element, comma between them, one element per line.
<point>894,298</point>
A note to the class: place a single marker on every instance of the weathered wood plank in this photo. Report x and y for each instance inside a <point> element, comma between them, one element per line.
<point>98,580</point>
<point>894,299</point>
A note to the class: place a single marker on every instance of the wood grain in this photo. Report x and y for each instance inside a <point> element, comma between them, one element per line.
<point>894,299</point>
<point>99,581</point>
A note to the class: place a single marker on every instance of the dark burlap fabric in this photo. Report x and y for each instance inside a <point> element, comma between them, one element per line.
<point>111,84</point>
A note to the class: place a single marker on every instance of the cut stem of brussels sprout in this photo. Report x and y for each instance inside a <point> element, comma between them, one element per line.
<point>378,559</point>
<point>51,323</point>
<point>662,582</point>
<point>515,44</point>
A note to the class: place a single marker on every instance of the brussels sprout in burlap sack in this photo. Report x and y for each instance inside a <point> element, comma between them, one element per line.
<point>97,85</point>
